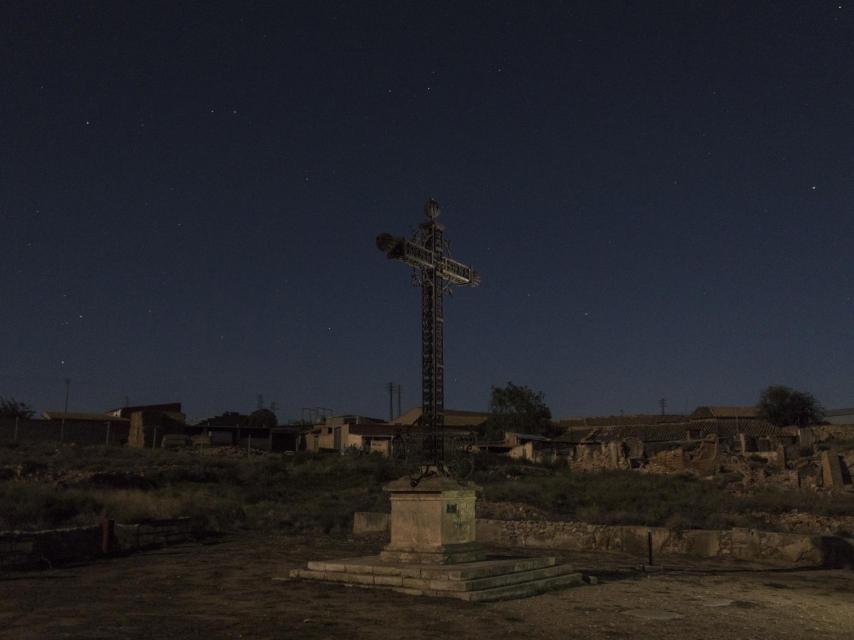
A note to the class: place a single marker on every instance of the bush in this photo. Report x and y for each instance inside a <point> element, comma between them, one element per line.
<point>783,406</point>
<point>320,492</point>
<point>29,505</point>
<point>617,497</point>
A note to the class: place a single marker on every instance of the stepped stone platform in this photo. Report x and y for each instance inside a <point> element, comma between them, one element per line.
<point>433,551</point>
<point>496,578</point>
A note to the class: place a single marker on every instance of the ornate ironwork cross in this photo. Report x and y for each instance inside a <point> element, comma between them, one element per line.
<point>435,272</point>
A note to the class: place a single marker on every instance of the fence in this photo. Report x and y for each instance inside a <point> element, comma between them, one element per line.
<point>28,430</point>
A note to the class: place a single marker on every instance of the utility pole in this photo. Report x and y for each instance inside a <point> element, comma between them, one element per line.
<point>663,404</point>
<point>65,411</point>
<point>392,389</point>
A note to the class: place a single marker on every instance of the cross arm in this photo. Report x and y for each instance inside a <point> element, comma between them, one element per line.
<point>458,273</point>
<point>414,254</point>
<point>399,248</point>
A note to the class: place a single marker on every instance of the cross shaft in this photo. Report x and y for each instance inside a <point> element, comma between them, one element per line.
<point>436,272</point>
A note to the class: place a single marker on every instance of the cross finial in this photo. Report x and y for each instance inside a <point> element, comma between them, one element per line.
<point>431,208</point>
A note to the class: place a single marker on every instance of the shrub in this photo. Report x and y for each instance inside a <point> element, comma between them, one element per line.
<point>29,505</point>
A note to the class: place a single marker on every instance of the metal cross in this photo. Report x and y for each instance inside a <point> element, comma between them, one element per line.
<point>434,272</point>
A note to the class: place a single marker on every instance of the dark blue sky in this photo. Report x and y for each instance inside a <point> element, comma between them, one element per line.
<point>658,196</point>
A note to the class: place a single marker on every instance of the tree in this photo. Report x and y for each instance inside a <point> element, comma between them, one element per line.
<point>519,409</point>
<point>11,408</point>
<point>262,418</point>
<point>782,406</point>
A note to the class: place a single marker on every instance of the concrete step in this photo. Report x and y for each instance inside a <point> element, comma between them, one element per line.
<point>507,579</point>
<point>374,565</point>
<point>508,592</point>
<point>525,589</point>
<point>496,578</point>
<point>520,583</point>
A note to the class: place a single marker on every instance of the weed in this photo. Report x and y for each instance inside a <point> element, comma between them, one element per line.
<point>306,492</point>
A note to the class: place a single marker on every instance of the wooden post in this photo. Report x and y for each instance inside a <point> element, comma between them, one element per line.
<point>108,528</point>
<point>649,547</point>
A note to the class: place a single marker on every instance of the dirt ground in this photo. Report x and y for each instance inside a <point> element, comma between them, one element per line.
<point>224,589</point>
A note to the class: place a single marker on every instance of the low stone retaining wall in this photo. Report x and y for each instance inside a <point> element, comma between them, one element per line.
<point>742,544</point>
<point>159,533</point>
<point>55,546</point>
<point>45,548</point>
<point>366,523</point>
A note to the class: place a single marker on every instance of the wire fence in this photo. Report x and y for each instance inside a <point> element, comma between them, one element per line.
<point>28,430</point>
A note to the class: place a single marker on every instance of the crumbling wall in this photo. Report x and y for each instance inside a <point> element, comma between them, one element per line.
<point>741,544</point>
<point>834,470</point>
<point>595,456</point>
<point>750,545</point>
<point>668,461</point>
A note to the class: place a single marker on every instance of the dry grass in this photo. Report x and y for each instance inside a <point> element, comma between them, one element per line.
<point>48,486</point>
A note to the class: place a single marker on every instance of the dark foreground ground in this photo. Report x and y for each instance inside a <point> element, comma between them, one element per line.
<point>224,590</point>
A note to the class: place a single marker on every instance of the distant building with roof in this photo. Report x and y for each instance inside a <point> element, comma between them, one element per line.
<point>454,418</point>
<point>622,420</point>
<point>79,427</point>
<point>840,416</point>
<point>81,416</point>
<point>725,413</point>
<point>167,407</point>
<point>340,433</point>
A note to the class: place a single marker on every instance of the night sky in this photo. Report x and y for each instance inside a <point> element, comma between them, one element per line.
<point>657,195</point>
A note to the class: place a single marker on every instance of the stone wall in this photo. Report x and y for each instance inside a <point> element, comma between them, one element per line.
<point>741,544</point>
<point>49,547</point>
<point>156,533</point>
<point>55,546</point>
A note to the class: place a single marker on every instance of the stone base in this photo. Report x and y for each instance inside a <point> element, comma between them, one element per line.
<point>481,581</point>
<point>446,554</point>
<point>433,522</point>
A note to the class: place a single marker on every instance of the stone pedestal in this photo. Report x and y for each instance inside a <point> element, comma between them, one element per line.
<point>433,552</point>
<point>433,522</point>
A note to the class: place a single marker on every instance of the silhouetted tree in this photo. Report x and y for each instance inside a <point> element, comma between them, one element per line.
<point>262,418</point>
<point>783,406</point>
<point>519,409</point>
<point>11,408</point>
<point>227,419</point>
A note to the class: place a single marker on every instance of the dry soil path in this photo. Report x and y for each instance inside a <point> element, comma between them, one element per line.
<point>225,590</point>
